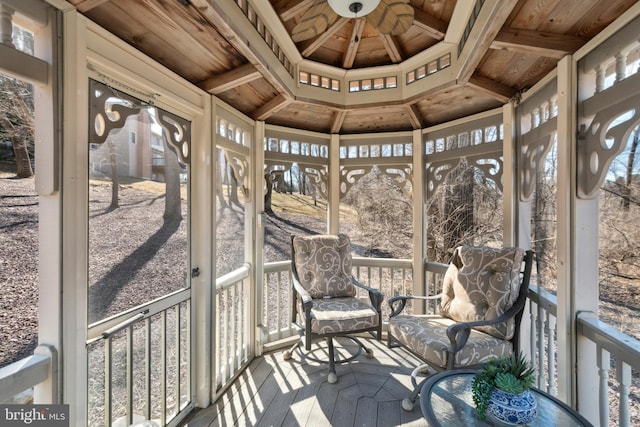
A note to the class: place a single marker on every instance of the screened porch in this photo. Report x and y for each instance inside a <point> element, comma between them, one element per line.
<point>165,216</point>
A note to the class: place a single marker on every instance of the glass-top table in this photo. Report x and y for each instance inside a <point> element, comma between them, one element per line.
<point>446,400</point>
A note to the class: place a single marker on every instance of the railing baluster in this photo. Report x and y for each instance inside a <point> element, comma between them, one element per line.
<point>163,364</point>
<point>623,376</point>
<point>129,375</point>
<point>533,310</point>
<point>147,366</point>
<point>604,362</point>
<point>551,354</point>
<point>108,381</point>
<point>540,364</point>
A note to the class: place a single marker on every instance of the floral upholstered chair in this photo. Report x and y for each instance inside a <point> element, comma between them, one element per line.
<point>325,295</point>
<point>483,296</point>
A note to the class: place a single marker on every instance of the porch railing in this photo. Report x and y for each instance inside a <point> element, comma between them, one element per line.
<point>617,355</point>
<point>19,377</point>
<point>621,352</point>
<point>232,336</point>
<point>390,276</point>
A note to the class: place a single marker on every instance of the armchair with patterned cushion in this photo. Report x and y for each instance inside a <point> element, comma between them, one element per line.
<point>325,304</point>
<point>483,296</point>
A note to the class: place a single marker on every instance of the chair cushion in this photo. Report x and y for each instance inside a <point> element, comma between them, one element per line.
<point>427,337</point>
<point>323,263</point>
<point>481,284</point>
<point>346,314</point>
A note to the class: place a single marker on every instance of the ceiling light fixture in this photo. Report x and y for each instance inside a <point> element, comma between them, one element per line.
<point>353,9</point>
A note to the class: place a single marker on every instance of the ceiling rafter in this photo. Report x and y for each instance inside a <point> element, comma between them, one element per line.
<point>214,15</point>
<point>292,8</point>
<point>87,5</point>
<point>234,78</point>
<point>338,120</point>
<point>414,116</point>
<point>309,47</point>
<point>354,43</point>
<point>430,24</point>
<point>544,44</point>
<point>477,45</point>
<point>392,48</point>
<point>492,88</point>
<point>272,106</point>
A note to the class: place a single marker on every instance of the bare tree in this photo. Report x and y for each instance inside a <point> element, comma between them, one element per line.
<point>17,121</point>
<point>173,200</point>
<point>626,190</point>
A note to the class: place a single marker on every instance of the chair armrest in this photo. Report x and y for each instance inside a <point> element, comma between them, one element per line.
<point>305,296</point>
<point>402,301</point>
<point>458,333</point>
<point>375,296</point>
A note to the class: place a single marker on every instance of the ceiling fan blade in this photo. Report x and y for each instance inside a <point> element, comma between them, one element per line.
<point>391,17</point>
<point>314,21</point>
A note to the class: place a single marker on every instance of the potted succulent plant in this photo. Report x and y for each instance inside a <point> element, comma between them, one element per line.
<point>502,388</point>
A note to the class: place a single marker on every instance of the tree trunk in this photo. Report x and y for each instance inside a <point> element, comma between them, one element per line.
<point>173,202</point>
<point>268,194</point>
<point>626,191</point>
<point>458,207</point>
<point>23,162</point>
<point>115,183</point>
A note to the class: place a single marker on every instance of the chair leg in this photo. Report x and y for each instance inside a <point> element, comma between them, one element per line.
<point>367,350</point>
<point>332,378</point>
<point>407,402</point>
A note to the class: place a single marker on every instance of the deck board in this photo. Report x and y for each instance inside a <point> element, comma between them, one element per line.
<point>275,392</point>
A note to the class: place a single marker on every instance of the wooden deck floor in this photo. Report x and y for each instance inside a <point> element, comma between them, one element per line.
<point>275,392</point>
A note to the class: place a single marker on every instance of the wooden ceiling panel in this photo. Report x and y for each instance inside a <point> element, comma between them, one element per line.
<point>531,14</point>
<point>177,38</point>
<point>414,41</point>
<point>379,119</point>
<point>302,115</point>
<point>197,40</point>
<point>597,18</point>
<point>249,97</point>
<point>513,75</point>
<point>566,13</point>
<point>449,104</point>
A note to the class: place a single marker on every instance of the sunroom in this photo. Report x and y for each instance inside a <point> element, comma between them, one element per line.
<point>179,144</point>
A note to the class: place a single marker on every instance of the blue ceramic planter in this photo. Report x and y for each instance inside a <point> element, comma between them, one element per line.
<point>515,409</point>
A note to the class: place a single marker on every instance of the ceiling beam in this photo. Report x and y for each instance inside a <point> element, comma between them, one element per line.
<point>87,5</point>
<point>544,44</point>
<point>354,42</point>
<point>289,9</point>
<point>237,77</point>
<point>391,47</point>
<point>482,35</point>
<point>216,16</point>
<point>414,116</point>
<point>271,107</point>
<point>430,24</point>
<point>338,120</point>
<point>492,88</point>
<point>309,47</point>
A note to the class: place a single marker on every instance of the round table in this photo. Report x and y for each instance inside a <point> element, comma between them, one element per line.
<point>446,400</point>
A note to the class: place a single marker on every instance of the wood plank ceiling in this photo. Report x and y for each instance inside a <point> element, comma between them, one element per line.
<point>517,44</point>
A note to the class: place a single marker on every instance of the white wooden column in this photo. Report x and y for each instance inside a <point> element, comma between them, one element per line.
<point>419,221</point>
<point>333,214</point>
<point>257,194</point>
<point>202,255</point>
<point>577,257</point>
<point>74,219</point>
<point>517,214</point>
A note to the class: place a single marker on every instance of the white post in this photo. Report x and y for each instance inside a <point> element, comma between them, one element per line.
<point>419,220</point>
<point>258,255</point>
<point>333,218</point>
